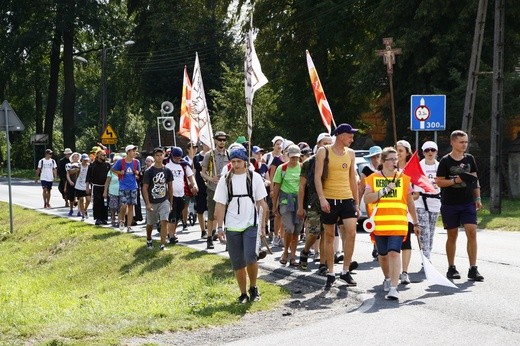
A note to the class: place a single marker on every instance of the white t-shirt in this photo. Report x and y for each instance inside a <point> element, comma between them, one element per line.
<point>82,177</point>
<point>178,177</point>
<point>434,204</point>
<point>47,167</point>
<point>239,220</point>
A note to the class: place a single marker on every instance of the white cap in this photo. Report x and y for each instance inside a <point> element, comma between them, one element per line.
<point>322,136</point>
<point>429,145</point>
<point>286,143</point>
<point>130,147</point>
<point>276,139</point>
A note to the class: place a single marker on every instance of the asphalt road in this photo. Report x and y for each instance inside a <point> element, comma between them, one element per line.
<point>475,313</point>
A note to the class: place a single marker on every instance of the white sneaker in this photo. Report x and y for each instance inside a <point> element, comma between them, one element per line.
<point>405,278</point>
<point>129,230</point>
<point>393,294</point>
<point>121,226</point>
<point>386,285</point>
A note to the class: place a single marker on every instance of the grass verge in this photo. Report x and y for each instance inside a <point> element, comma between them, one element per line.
<point>70,283</point>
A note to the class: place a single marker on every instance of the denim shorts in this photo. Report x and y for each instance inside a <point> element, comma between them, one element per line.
<point>385,244</point>
<point>242,247</point>
<point>46,184</point>
<point>455,215</point>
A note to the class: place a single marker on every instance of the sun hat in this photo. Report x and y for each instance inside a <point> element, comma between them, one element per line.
<point>322,136</point>
<point>429,145</point>
<point>373,151</point>
<point>220,134</point>
<point>67,151</point>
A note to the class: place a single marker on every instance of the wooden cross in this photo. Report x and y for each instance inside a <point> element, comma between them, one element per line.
<point>389,54</point>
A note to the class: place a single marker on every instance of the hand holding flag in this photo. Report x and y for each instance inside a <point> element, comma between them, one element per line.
<point>414,171</point>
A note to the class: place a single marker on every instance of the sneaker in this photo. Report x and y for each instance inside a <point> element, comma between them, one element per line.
<point>303,259</point>
<point>129,230</point>
<point>71,212</point>
<point>243,299</point>
<point>393,294</point>
<point>330,281</point>
<point>121,226</point>
<point>98,222</point>
<point>348,279</point>
<point>185,227</point>
<point>48,205</point>
<point>254,295</point>
<point>352,266</point>
<point>82,218</point>
<point>386,285</point>
<point>474,275</point>
<point>174,240</point>
<point>452,273</point>
<point>203,235</point>
<point>404,278</point>
<point>86,215</point>
<point>79,214</point>
<point>322,270</point>
<point>214,235</point>
<point>209,244</point>
<point>338,258</point>
<point>162,248</point>
<point>149,244</point>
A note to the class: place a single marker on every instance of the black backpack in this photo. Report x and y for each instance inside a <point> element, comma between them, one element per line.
<point>249,187</point>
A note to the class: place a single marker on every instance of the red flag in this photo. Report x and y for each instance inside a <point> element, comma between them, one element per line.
<point>414,171</point>
<point>319,94</point>
<point>186,127</point>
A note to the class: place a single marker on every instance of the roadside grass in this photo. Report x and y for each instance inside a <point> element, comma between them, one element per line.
<point>18,173</point>
<point>508,220</point>
<point>70,283</point>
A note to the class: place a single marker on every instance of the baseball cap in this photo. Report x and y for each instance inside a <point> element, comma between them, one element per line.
<point>85,157</point>
<point>176,152</point>
<point>293,151</point>
<point>240,139</point>
<point>344,128</point>
<point>158,150</point>
<point>322,136</point>
<point>257,149</point>
<point>286,143</point>
<point>429,145</point>
<point>48,151</point>
<point>276,139</point>
<point>67,151</point>
<point>130,147</point>
<point>404,143</point>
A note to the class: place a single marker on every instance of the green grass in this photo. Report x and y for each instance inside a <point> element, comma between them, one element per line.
<point>506,221</point>
<point>70,283</point>
<point>18,173</point>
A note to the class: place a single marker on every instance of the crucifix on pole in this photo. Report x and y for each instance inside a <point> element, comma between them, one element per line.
<point>388,55</point>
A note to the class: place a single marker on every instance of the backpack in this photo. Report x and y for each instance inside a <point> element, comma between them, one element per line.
<point>123,164</point>
<point>249,187</point>
<point>310,172</point>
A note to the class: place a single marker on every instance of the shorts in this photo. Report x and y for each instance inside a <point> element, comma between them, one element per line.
<point>46,184</point>
<point>201,204</point>
<point>291,223</point>
<point>313,222</point>
<point>128,197</point>
<point>339,209</point>
<point>460,214</point>
<point>114,202</point>
<point>71,192</point>
<point>188,199</point>
<point>407,244</point>
<point>242,247</point>
<point>176,210</point>
<point>80,193</point>
<point>385,244</point>
<point>159,212</point>
<point>211,204</point>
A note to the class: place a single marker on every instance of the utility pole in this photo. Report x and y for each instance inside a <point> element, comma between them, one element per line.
<point>497,96</point>
<point>474,66</point>
<point>388,55</point>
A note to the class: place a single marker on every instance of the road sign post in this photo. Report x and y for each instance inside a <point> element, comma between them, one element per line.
<point>10,122</point>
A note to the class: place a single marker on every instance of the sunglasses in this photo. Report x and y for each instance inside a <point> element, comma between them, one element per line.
<point>430,150</point>
<point>221,139</point>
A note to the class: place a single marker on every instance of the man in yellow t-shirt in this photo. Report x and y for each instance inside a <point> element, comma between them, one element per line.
<point>336,186</point>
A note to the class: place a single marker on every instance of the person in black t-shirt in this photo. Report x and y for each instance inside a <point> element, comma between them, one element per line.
<point>457,176</point>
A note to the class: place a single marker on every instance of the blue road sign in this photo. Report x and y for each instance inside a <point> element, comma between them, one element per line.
<point>428,112</point>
